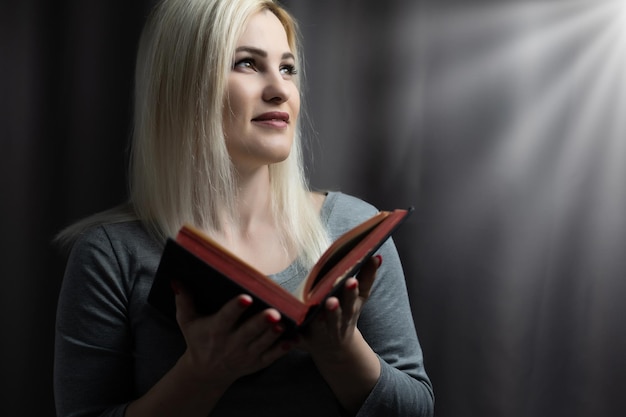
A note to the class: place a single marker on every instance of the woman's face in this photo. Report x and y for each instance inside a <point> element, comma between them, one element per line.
<point>263,102</point>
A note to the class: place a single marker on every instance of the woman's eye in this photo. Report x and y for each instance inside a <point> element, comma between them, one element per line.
<point>245,63</point>
<point>288,70</point>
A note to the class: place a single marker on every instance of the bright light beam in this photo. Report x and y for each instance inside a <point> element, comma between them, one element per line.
<point>565,63</point>
<point>549,183</point>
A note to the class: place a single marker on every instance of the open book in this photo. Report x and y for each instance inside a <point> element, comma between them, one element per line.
<point>213,275</point>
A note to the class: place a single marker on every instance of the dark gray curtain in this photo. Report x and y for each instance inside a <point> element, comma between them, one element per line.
<point>66,71</point>
<point>500,121</point>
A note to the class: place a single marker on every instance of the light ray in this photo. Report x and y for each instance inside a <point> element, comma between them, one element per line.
<point>581,94</point>
<point>541,200</point>
<point>516,34</point>
<point>548,93</point>
<point>526,138</point>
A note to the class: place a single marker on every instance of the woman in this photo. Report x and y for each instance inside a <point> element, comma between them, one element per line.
<point>216,144</point>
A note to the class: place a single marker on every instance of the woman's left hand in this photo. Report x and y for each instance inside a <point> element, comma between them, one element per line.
<point>341,354</point>
<point>335,326</point>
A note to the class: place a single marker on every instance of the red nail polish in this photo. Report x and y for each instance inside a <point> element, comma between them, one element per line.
<point>278,329</point>
<point>380,260</point>
<point>245,302</point>
<point>272,319</point>
<point>352,285</point>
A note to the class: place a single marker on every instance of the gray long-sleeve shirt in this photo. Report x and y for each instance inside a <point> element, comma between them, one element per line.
<point>112,347</point>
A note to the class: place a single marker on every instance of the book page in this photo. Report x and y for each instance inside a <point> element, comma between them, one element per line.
<point>337,251</point>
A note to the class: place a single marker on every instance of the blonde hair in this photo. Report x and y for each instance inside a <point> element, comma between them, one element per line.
<point>180,170</point>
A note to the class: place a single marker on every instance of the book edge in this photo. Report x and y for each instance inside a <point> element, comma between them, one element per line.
<point>243,274</point>
<point>355,258</point>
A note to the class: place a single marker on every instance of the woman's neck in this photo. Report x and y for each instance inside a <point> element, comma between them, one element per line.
<point>253,201</point>
<point>254,235</point>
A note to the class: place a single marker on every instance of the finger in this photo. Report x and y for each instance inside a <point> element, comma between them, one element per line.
<point>266,339</point>
<point>231,312</point>
<point>350,293</point>
<point>332,304</point>
<point>276,351</point>
<point>334,311</point>
<point>367,275</point>
<point>256,325</point>
<point>267,342</point>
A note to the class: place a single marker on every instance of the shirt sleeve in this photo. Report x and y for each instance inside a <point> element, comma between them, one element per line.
<point>403,388</point>
<point>93,333</point>
<point>386,322</point>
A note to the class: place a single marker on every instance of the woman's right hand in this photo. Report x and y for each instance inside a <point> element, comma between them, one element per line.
<point>220,349</point>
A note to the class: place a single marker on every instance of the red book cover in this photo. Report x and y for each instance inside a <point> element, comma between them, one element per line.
<point>214,275</point>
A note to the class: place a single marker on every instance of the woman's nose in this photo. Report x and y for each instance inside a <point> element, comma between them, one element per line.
<point>276,88</point>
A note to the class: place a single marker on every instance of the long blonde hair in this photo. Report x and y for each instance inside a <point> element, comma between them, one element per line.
<point>180,170</point>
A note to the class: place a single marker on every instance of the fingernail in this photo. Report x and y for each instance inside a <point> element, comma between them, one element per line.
<point>245,301</point>
<point>175,287</point>
<point>379,259</point>
<point>278,329</point>
<point>331,304</point>
<point>272,319</point>
<point>352,285</point>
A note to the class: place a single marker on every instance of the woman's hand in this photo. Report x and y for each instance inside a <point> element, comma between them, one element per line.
<point>335,326</point>
<point>220,348</point>
<point>341,354</point>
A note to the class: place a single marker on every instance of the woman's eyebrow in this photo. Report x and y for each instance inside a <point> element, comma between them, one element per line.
<point>260,52</point>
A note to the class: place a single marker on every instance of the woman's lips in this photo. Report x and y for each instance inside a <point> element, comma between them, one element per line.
<point>273,119</point>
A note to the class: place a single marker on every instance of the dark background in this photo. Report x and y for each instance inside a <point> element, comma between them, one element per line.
<point>501,121</point>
